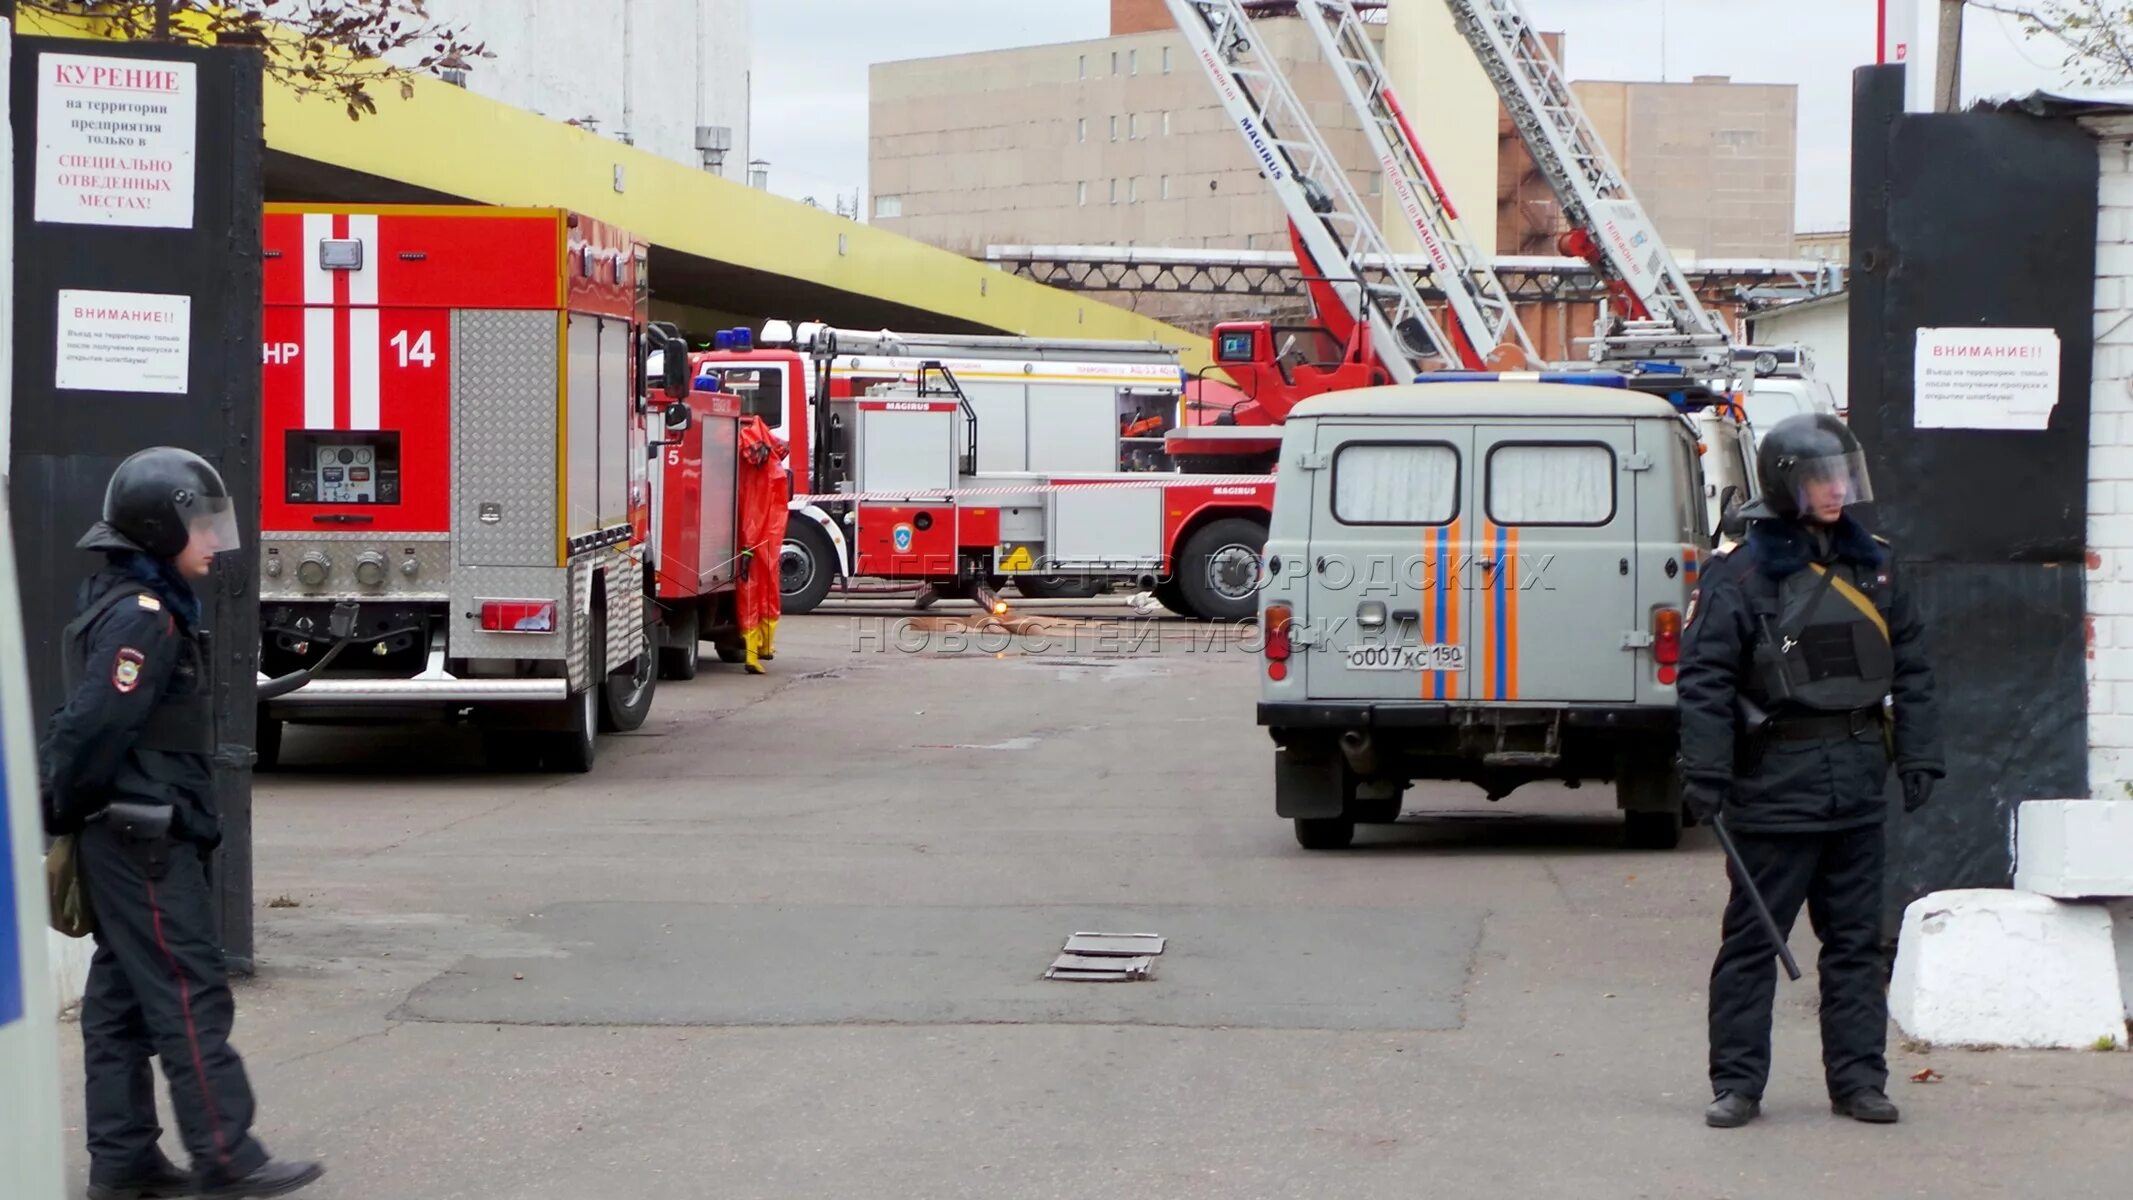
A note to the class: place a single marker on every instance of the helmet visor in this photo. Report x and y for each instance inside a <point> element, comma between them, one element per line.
<point>1824,487</point>
<point>210,521</point>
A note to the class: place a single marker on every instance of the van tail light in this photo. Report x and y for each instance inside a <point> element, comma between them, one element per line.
<point>518,616</point>
<point>1666,642</point>
<point>1276,623</point>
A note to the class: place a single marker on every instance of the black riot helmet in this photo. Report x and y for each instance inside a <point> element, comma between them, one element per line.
<point>1805,462</point>
<point>158,500</point>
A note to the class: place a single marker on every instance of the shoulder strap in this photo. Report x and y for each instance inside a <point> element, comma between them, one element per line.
<point>1852,596</point>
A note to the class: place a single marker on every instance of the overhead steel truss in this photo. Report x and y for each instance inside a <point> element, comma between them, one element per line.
<point>1272,274</point>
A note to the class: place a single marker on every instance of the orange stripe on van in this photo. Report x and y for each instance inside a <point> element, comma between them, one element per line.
<point>1448,578</point>
<point>1508,569</point>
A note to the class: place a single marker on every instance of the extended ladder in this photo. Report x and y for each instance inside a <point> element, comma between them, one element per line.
<point>1337,228</point>
<point>1610,228</point>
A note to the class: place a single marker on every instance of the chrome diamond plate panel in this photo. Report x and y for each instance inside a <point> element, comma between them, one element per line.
<point>625,607</point>
<point>432,556</point>
<point>469,640</point>
<point>504,431</point>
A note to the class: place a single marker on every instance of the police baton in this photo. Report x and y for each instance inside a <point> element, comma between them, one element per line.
<point>1762,910</point>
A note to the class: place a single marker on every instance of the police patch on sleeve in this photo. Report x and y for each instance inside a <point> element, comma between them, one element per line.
<point>126,669</point>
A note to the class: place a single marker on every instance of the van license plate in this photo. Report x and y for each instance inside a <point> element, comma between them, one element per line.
<point>1406,658</point>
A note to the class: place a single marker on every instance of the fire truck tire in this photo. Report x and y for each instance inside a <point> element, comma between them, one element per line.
<point>683,638</point>
<point>571,751</point>
<point>266,744</point>
<point>807,565</point>
<point>1218,574</point>
<point>626,691</point>
<point>1324,833</point>
<point>1166,594</point>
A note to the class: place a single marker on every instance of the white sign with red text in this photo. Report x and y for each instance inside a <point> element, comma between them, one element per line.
<point>1985,378</point>
<point>124,341</point>
<point>115,141</point>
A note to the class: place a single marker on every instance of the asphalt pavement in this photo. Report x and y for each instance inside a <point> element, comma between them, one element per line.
<point>789,941</point>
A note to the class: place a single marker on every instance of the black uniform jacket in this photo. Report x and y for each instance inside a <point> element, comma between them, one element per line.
<point>1776,784</point>
<point>141,652</point>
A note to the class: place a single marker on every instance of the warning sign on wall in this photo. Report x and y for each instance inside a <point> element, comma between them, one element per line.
<point>115,141</point>
<point>124,341</point>
<point>1985,378</point>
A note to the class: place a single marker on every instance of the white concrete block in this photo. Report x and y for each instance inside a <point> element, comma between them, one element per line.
<point>2111,462</point>
<point>1987,967</point>
<point>2103,493</point>
<point>2122,929</point>
<point>2115,187</point>
<point>2115,665</point>
<point>2115,258</point>
<point>2077,849</point>
<point>2106,731</point>
<point>2108,393</point>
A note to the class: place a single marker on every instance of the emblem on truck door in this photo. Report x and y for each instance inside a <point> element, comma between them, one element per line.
<point>491,513</point>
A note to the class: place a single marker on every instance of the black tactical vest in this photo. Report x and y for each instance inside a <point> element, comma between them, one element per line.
<point>1824,642</point>
<point>184,718</point>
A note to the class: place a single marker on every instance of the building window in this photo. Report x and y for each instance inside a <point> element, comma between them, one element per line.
<point>1133,190</point>
<point>1377,183</point>
<point>1166,187</point>
<point>1114,191</point>
<point>888,207</point>
<point>1114,129</point>
<point>1166,124</point>
<point>1133,127</point>
<point>1084,66</point>
<point>1133,62</point>
<point>1166,60</point>
<point>1081,130</point>
<point>1114,62</point>
<point>1081,193</point>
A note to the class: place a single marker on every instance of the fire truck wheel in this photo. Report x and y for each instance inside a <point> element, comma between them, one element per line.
<point>1218,572</point>
<point>571,750</point>
<point>807,565</point>
<point>1167,594</point>
<point>626,692</point>
<point>266,743</point>
<point>683,640</point>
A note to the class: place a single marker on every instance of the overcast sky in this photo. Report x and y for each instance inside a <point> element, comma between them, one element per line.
<point>811,59</point>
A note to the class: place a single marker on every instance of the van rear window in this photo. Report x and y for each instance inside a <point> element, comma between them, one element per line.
<point>1395,483</point>
<point>1551,483</point>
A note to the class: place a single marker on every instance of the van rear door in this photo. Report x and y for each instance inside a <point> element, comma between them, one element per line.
<point>1384,606</point>
<point>1553,576</point>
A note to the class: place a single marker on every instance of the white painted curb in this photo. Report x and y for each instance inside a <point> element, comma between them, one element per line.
<point>2074,849</point>
<point>1989,967</point>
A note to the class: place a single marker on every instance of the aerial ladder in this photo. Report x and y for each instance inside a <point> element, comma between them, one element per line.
<point>1338,239</point>
<point>1660,314</point>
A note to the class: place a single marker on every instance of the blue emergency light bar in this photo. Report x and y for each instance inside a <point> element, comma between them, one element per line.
<point>733,339</point>
<point>1610,379</point>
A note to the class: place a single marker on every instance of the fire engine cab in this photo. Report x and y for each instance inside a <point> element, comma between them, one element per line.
<point>455,439</point>
<point>969,461</point>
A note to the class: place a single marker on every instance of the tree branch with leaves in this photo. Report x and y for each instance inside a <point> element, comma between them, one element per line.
<point>340,49</point>
<point>2096,34</point>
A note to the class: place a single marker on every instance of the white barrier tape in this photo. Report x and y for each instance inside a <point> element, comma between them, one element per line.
<point>1035,489</point>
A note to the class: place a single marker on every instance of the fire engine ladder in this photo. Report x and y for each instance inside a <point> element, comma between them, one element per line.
<point>1336,226</point>
<point>1664,315</point>
<point>1479,298</point>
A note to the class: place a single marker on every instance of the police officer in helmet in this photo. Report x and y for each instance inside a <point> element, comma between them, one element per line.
<point>1804,680</point>
<point>128,762</point>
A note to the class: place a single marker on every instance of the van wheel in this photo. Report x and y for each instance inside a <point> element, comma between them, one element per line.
<point>683,644</point>
<point>807,565</point>
<point>266,743</point>
<point>1324,833</point>
<point>1218,571</point>
<point>1651,830</point>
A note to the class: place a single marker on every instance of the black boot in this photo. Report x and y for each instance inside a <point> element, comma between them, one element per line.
<point>273,1179</point>
<point>1867,1104</point>
<point>161,1180</point>
<point>1731,1111</point>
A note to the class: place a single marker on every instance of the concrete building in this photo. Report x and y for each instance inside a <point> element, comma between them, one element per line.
<point>1119,141</point>
<point>646,72</point>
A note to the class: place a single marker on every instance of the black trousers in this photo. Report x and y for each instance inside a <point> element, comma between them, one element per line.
<point>1838,876</point>
<point>158,986</point>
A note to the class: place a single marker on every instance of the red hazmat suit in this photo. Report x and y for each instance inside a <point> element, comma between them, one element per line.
<point>763,496</point>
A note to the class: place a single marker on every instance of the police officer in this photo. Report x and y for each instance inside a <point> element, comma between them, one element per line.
<point>1804,677</point>
<point>128,769</point>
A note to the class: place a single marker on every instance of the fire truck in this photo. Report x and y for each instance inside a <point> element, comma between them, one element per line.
<point>455,440</point>
<point>967,462</point>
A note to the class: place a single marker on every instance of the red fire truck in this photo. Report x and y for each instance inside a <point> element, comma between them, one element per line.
<point>455,438</point>
<point>961,461</point>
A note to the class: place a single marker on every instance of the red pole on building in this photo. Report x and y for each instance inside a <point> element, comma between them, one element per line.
<point>1881,32</point>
